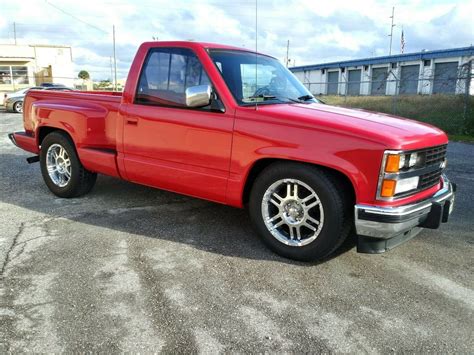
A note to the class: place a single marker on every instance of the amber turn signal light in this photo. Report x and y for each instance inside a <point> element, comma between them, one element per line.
<point>388,188</point>
<point>392,165</point>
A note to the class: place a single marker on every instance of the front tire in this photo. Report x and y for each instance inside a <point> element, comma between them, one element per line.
<point>298,211</point>
<point>18,107</point>
<point>62,171</point>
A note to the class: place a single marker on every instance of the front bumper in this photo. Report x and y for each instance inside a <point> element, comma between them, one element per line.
<point>8,106</point>
<point>382,228</point>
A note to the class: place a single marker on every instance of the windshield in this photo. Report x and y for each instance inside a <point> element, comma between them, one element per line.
<point>258,79</point>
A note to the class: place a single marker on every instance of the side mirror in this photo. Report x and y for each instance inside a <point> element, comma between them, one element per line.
<point>198,96</point>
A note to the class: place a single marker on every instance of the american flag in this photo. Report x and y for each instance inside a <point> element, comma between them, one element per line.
<point>402,43</point>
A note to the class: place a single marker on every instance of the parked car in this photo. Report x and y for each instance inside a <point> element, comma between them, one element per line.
<point>14,102</point>
<point>236,127</point>
<point>52,85</point>
<point>13,94</point>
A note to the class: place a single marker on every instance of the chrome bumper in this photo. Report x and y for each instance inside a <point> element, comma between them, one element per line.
<point>404,222</point>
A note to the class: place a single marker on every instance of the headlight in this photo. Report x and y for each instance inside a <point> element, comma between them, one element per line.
<point>394,163</point>
<point>413,160</point>
<point>391,180</point>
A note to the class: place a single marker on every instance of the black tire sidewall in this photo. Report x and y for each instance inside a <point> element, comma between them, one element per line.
<point>70,190</point>
<point>329,237</point>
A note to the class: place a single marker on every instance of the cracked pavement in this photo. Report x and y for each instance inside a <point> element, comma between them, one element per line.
<point>130,268</point>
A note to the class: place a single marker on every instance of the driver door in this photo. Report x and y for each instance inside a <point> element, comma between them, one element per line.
<point>168,145</point>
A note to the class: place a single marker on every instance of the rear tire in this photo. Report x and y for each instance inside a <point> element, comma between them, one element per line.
<point>307,222</point>
<point>62,171</point>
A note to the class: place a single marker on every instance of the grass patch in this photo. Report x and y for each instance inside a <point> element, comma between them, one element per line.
<point>461,138</point>
<point>444,111</point>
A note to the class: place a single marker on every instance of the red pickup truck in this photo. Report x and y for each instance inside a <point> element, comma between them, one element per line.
<point>236,127</point>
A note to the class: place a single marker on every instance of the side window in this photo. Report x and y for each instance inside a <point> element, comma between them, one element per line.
<point>166,75</point>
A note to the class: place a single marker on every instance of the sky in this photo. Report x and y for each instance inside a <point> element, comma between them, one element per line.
<point>318,31</point>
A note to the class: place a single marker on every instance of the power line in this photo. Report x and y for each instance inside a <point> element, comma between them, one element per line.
<point>75,17</point>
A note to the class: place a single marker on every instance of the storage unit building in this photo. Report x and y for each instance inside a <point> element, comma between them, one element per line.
<point>445,71</point>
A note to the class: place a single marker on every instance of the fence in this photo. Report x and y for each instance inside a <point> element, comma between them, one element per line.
<point>443,97</point>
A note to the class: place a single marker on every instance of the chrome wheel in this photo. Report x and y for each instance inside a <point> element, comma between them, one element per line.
<point>58,165</point>
<point>292,212</point>
<point>18,107</point>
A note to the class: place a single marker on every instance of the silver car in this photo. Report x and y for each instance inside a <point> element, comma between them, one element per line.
<point>14,102</point>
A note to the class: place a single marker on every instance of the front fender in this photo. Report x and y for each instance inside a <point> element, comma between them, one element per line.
<point>355,157</point>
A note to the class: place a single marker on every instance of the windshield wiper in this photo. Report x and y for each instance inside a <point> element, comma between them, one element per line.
<point>306,98</point>
<point>301,99</point>
<point>273,97</point>
<point>262,96</point>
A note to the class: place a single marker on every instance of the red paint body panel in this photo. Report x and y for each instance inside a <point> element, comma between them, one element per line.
<point>210,154</point>
<point>26,142</point>
<point>100,161</point>
<point>176,149</point>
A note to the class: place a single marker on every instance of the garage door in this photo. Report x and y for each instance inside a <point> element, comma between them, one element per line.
<point>379,81</point>
<point>409,79</point>
<point>333,78</point>
<point>445,78</point>
<point>353,87</point>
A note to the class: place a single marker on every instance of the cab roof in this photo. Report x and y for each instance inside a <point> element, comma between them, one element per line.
<point>193,44</point>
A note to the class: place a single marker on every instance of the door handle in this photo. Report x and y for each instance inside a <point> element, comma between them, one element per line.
<point>132,120</point>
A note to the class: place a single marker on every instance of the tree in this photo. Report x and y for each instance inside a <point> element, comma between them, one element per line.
<point>84,75</point>
<point>103,85</point>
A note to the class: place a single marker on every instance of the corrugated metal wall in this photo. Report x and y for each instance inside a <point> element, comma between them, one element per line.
<point>333,78</point>
<point>353,87</point>
<point>445,78</point>
<point>379,81</point>
<point>409,79</point>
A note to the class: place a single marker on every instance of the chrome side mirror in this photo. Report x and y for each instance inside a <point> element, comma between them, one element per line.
<point>198,96</point>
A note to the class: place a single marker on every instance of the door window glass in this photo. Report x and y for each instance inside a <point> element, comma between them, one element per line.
<point>167,73</point>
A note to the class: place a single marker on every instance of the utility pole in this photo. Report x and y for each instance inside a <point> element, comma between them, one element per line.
<point>467,88</point>
<point>391,30</point>
<point>287,52</point>
<point>111,70</point>
<point>14,31</point>
<point>115,60</point>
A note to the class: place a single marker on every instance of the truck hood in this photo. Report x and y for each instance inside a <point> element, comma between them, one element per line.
<point>395,132</point>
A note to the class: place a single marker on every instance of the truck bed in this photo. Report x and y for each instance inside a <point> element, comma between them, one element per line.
<point>90,118</point>
<point>92,114</point>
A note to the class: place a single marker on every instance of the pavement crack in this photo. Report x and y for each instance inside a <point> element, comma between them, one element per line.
<point>35,238</point>
<point>12,246</point>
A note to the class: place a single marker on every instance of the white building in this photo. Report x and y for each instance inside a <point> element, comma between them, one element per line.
<point>444,71</point>
<point>23,66</point>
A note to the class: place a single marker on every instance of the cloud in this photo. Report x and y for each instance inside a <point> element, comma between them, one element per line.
<point>318,32</point>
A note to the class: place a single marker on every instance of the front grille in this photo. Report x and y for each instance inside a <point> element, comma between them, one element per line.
<point>435,155</point>
<point>430,179</point>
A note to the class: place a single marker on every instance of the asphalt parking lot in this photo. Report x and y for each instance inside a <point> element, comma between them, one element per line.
<point>130,268</point>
